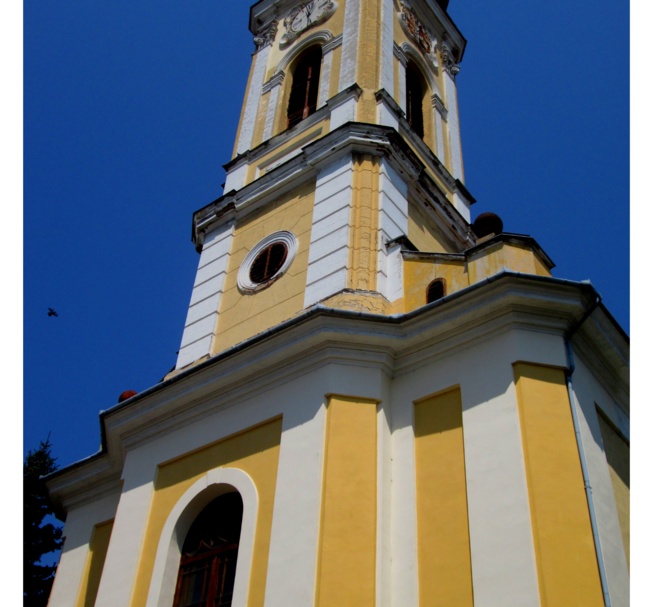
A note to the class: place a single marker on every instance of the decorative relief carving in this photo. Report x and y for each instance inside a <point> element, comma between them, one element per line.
<point>448,61</point>
<point>266,35</point>
<point>417,32</point>
<point>305,16</point>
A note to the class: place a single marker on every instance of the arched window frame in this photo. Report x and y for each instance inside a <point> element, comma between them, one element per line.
<point>287,65</point>
<point>214,483</point>
<point>428,74</point>
<point>443,282</point>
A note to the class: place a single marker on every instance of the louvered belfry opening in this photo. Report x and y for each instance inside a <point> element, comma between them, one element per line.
<point>208,558</point>
<point>305,87</point>
<point>435,291</point>
<point>268,262</point>
<point>414,96</point>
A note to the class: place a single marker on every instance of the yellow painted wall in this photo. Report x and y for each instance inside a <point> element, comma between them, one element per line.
<point>364,223</point>
<point>243,315</point>
<point>256,452</point>
<point>519,258</point>
<point>566,559</point>
<point>445,570</point>
<point>617,453</point>
<point>369,59</point>
<point>267,162</point>
<point>347,548</point>
<point>423,232</point>
<point>418,274</point>
<point>98,547</point>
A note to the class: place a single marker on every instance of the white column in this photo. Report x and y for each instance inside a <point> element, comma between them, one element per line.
<point>292,562</point>
<point>253,98</point>
<point>402,86</point>
<point>349,56</point>
<point>325,78</point>
<point>393,222</point>
<point>273,86</point>
<point>439,116</point>
<point>504,571</point>
<point>128,533</point>
<point>72,563</point>
<point>387,42</point>
<point>202,318</point>
<point>454,128</point>
<point>329,250</point>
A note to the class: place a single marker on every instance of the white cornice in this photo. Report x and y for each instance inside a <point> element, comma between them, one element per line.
<point>396,344</point>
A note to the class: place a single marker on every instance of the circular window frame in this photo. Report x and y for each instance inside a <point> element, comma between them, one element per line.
<point>245,283</point>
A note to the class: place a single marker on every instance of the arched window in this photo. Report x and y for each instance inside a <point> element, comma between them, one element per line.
<point>208,558</point>
<point>436,290</point>
<point>414,98</point>
<point>305,86</point>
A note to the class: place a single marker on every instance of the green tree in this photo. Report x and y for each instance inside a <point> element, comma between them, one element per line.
<point>38,538</point>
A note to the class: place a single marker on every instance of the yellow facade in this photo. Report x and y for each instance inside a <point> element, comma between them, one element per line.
<point>256,452</point>
<point>564,547</point>
<point>347,549</point>
<point>98,547</point>
<point>243,315</point>
<point>445,565</point>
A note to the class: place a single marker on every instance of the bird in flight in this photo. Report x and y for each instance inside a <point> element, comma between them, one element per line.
<point>52,312</point>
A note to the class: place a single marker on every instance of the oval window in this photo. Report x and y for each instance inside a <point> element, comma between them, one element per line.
<point>268,262</point>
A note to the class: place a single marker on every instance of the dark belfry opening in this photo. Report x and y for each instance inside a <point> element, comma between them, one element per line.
<point>207,570</point>
<point>435,291</point>
<point>414,97</point>
<point>305,87</point>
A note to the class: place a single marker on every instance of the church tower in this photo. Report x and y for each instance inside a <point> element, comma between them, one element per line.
<point>376,403</point>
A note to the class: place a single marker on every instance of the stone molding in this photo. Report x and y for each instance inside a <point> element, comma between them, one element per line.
<point>266,35</point>
<point>276,80</point>
<point>438,105</point>
<point>321,36</point>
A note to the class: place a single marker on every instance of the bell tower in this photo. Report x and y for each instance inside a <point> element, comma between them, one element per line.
<point>376,403</point>
<point>348,149</point>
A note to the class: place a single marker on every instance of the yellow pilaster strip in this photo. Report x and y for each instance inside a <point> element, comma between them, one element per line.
<point>347,552</point>
<point>445,572</point>
<point>369,60</point>
<point>364,232</point>
<point>564,548</point>
<point>99,545</point>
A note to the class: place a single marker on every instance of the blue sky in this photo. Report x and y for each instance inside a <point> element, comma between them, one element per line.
<point>131,109</point>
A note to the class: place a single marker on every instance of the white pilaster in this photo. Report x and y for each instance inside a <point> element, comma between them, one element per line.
<point>253,98</point>
<point>454,128</point>
<point>292,564</point>
<point>387,42</point>
<point>403,60</point>
<point>274,87</point>
<point>325,78</point>
<point>123,556</point>
<point>202,317</point>
<point>235,178</point>
<point>393,222</point>
<point>78,531</point>
<point>349,56</point>
<point>501,535</point>
<point>329,250</point>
